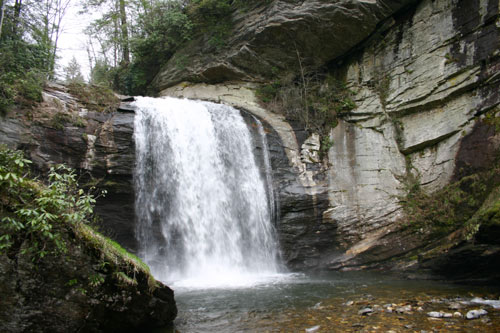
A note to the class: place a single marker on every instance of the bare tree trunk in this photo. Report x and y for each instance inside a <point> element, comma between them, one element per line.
<point>124,31</point>
<point>1,15</point>
<point>17,15</point>
<point>304,89</point>
<point>61,7</point>
<point>91,53</point>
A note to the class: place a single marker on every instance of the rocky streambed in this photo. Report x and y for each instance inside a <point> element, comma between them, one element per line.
<point>340,302</point>
<point>406,312</point>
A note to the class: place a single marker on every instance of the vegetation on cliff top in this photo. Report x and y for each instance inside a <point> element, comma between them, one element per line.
<point>43,219</point>
<point>129,61</point>
<point>29,33</point>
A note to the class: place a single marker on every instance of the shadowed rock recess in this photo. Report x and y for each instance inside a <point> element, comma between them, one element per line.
<point>424,77</point>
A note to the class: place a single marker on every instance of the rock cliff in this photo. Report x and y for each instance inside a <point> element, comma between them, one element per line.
<point>94,285</point>
<point>425,81</point>
<point>268,35</point>
<point>100,145</point>
<point>424,77</point>
<point>83,289</point>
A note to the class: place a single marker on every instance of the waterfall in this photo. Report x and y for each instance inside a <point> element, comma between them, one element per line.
<point>204,211</point>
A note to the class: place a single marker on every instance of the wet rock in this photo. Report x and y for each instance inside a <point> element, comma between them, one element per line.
<point>310,149</point>
<point>457,314</point>
<point>50,295</point>
<point>493,303</point>
<point>439,314</point>
<point>313,329</point>
<point>103,152</point>
<point>455,306</point>
<point>435,314</point>
<point>404,309</point>
<point>365,311</point>
<point>475,314</point>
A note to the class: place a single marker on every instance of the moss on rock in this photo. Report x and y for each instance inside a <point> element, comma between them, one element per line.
<point>57,273</point>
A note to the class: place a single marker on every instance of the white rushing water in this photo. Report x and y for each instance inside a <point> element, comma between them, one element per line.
<point>204,214</point>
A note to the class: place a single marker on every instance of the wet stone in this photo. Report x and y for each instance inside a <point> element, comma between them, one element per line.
<point>404,309</point>
<point>435,314</point>
<point>475,314</point>
<point>365,311</point>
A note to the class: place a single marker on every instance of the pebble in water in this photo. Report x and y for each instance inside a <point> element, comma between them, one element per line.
<point>313,329</point>
<point>475,314</point>
<point>365,311</point>
<point>439,314</point>
<point>404,309</point>
<point>435,314</point>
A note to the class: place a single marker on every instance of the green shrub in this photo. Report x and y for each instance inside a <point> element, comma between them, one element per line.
<point>48,219</point>
<point>209,12</point>
<point>36,213</point>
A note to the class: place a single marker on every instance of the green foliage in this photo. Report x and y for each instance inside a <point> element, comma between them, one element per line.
<point>493,119</point>
<point>41,220</point>
<point>212,18</point>
<point>451,207</point>
<point>125,280</point>
<point>36,213</point>
<point>381,85</point>
<point>95,280</point>
<point>73,73</point>
<point>93,97</point>
<point>315,101</point>
<point>161,30</point>
<point>268,92</point>
<point>164,29</point>
<point>326,144</point>
<point>72,282</point>
<point>60,119</point>
<point>27,51</point>
<point>21,78</point>
<point>208,13</point>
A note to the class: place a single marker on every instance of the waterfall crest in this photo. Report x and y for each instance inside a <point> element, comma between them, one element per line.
<point>203,214</point>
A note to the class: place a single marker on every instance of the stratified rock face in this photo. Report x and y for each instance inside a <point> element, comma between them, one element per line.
<point>99,145</point>
<point>424,82</point>
<point>273,36</point>
<point>422,89</point>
